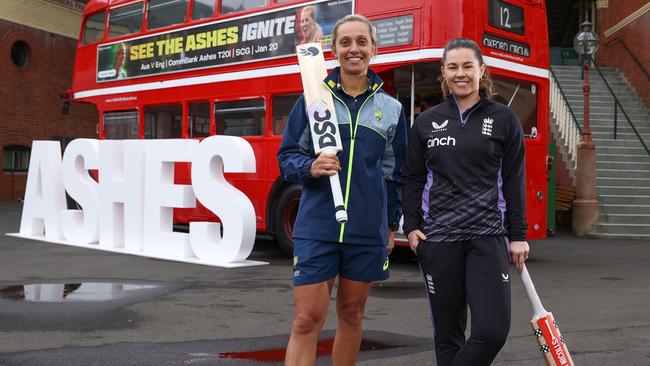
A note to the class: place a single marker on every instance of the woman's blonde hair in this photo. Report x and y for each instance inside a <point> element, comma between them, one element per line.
<point>354,18</point>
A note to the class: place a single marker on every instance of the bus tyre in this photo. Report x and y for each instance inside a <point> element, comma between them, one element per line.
<point>285,217</point>
<point>71,203</point>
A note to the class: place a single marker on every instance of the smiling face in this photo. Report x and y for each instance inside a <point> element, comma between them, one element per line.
<point>307,22</point>
<point>463,73</point>
<point>353,47</point>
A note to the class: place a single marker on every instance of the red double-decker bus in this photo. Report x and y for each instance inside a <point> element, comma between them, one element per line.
<point>193,68</point>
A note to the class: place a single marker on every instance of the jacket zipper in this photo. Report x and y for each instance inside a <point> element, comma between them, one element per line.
<point>353,134</point>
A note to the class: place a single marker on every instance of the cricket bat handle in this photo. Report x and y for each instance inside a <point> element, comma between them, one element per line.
<point>339,206</point>
<point>538,308</point>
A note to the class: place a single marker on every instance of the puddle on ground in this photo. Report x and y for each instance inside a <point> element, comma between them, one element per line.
<point>398,290</point>
<point>324,348</point>
<point>73,292</point>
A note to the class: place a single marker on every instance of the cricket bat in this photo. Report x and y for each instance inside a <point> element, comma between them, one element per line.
<point>322,116</point>
<point>545,328</point>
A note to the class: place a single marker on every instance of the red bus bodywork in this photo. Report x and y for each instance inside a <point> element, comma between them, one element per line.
<point>435,22</point>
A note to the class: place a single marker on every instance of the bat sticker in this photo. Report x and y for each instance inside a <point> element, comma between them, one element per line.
<point>308,51</point>
<point>323,126</point>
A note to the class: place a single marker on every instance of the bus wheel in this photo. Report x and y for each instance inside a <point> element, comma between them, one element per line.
<point>285,217</point>
<point>71,203</point>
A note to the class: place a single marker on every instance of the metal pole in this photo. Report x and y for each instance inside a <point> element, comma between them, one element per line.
<point>585,206</point>
<point>615,117</point>
<point>586,130</point>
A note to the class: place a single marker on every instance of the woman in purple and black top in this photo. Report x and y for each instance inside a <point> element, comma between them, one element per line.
<point>464,208</point>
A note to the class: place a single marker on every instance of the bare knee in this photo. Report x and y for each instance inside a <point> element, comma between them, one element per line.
<point>350,313</point>
<point>306,322</point>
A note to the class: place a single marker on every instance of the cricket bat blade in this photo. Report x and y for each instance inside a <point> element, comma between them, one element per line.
<point>545,329</point>
<point>323,123</point>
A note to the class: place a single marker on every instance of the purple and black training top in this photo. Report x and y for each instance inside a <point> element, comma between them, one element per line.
<point>465,174</point>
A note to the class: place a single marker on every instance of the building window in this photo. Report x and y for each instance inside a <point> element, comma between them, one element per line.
<point>231,6</point>
<point>162,13</point>
<point>15,158</point>
<point>163,121</point>
<point>125,20</point>
<point>94,29</point>
<point>240,117</point>
<point>20,54</point>
<point>121,125</point>
<point>202,9</point>
<point>198,119</point>
<point>282,105</point>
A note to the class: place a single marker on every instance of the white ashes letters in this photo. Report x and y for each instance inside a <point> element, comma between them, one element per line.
<point>129,208</point>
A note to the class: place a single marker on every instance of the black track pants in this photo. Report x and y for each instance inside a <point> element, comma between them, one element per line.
<point>475,273</point>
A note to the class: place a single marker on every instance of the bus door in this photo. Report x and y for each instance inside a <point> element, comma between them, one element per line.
<point>524,97</point>
<point>416,86</point>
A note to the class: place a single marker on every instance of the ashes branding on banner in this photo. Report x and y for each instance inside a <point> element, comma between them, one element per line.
<point>259,37</point>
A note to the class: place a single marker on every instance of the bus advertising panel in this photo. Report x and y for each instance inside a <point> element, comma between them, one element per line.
<point>252,38</point>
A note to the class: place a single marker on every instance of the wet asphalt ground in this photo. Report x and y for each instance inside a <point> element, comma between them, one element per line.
<point>128,310</point>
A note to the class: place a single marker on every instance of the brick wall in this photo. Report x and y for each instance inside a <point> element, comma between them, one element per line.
<point>635,35</point>
<point>30,106</point>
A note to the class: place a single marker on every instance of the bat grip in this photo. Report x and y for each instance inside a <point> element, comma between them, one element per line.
<point>538,308</point>
<point>335,183</point>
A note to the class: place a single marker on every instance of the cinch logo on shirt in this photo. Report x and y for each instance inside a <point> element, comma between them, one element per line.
<point>441,141</point>
<point>487,126</point>
<point>439,127</point>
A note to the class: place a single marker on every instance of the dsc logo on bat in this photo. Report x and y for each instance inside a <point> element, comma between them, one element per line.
<point>323,127</point>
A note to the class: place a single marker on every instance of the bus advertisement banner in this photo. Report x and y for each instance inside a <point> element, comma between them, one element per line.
<point>251,38</point>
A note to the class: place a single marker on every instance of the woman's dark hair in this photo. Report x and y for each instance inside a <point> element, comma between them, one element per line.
<point>485,86</point>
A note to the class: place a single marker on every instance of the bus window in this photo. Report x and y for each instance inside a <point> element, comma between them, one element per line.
<point>198,119</point>
<point>240,117</point>
<point>419,81</point>
<point>94,30</point>
<point>521,96</point>
<point>282,105</point>
<point>162,13</point>
<point>121,125</point>
<point>163,121</point>
<point>125,20</point>
<point>202,9</point>
<point>230,6</point>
